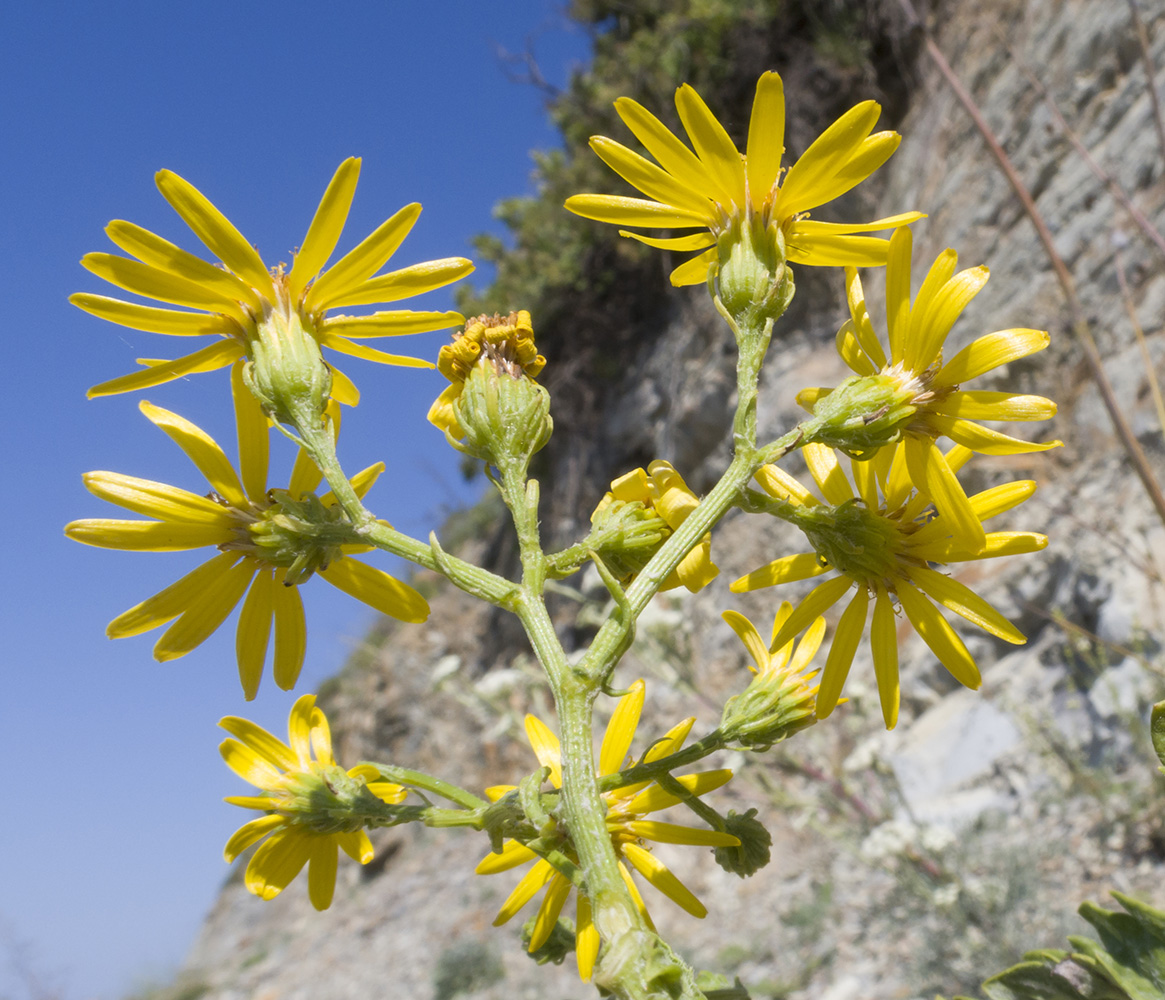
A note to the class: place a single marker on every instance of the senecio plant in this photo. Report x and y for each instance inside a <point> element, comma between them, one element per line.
<point>884,515</point>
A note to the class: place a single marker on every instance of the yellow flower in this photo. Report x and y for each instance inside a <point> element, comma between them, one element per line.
<point>299,779</point>
<point>626,808</point>
<point>507,342</point>
<point>268,543</point>
<point>662,491</point>
<point>883,539</point>
<point>715,187</point>
<point>780,700</point>
<point>917,334</point>
<point>243,297</point>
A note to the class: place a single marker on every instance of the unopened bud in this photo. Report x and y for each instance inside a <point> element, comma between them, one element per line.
<point>286,371</point>
<point>754,850</point>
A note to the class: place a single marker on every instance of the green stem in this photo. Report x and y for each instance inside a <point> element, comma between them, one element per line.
<point>653,770</point>
<point>428,783</point>
<point>472,579</point>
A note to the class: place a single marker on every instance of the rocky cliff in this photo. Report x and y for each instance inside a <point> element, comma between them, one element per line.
<point>905,862</point>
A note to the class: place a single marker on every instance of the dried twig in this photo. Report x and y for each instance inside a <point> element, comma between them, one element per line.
<point>1150,73</point>
<point>1130,307</point>
<point>1079,322</point>
<point>1140,220</point>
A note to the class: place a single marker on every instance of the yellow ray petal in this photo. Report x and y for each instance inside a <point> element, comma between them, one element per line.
<point>586,938</point>
<point>321,737</point>
<point>624,211</point>
<point>546,747</point>
<point>525,890</point>
<point>214,229</point>
<point>167,503</point>
<point>653,181</point>
<point>981,405</point>
<point>713,146</point>
<point>898,291</point>
<point>989,503</point>
<point>356,845</point>
<point>171,602</point>
<point>406,282</point>
<point>268,747</point>
<point>152,249</point>
<point>963,601</point>
<point>866,479</point>
<point>947,305</point>
<point>675,833</point>
<point>787,569</point>
<point>549,911</point>
<point>694,271</point>
<point>937,633</point>
<point>377,589</point>
<point>866,159</point>
<point>932,476</point>
<point>252,428</point>
<point>829,250</point>
<point>989,352</point>
<point>819,600</point>
<point>299,728</point>
<point>863,328</point>
<point>146,536</point>
<point>390,323</point>
<point>670,152</point>
<point>154,283</point>
<point>828,473</point>
<point>653,798</point>
<point>749,636</point>
<point>512,855</point>
<point>371,354</point>
<point>984,440</point>
<point>343,390</point>
<point>777,483</point>
<point>324,232</point>
<point>937,276</point>
<point>206,613</point>
<point>999,543</point>
<point>807,648</point>
<point>249,765</point>
<point>841,652</point>
<point>216,355</point>
<point>694,241</point>
<point>254,632</point>
<point>884,647</point>
<point>652,869</point>
<point>621,729</point>
<point>248,834</point>
<point>633,890</point>
<point>277,861</point>
<point>152,320</point>
<point>811,181</point>
<point>766,138</point>
<point>851,352</point>
<point>200,448</point>
<point>363,261</point>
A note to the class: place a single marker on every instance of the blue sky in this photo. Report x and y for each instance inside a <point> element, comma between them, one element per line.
<point>110,845</point>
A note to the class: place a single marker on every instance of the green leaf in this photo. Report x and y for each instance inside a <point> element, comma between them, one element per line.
<point>1157,729</point>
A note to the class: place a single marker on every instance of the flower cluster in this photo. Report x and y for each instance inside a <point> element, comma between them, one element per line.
<point>253,308</point>
<point>883,538</point>
<point>301,786</point>
<point>641,510</point>
<point>268,541</point>
<point>626,805</point>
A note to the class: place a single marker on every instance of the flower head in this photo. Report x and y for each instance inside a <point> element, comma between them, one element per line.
<point>883,539</point>
<point>715,187</point>
<point>941,407</point>
<point>304,791</point>
<point>269,542</point>
<point>492,403</point>
<point>780,699</point>
<point>247,304</point>
<point>626,807</point>
<point>647,506</point>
